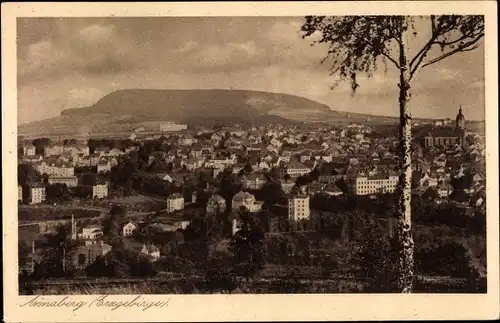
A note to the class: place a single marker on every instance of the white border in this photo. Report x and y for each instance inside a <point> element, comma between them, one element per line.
<point>253,307</point>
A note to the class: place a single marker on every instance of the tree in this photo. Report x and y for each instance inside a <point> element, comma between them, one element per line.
<point>271,193</point>
<point>448,259</point>
<point>230,184</point>
<point>112,224</point>
<point>358,43</point>
<point>247,246</point>
<point>57,192</point>
<point>40,144</point>
<point>377,256</point>
<point>26,174</point>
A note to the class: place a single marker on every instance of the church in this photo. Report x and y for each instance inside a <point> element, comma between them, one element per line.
<point>447,135</point>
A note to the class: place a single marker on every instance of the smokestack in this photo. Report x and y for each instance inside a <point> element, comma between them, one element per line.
<point>32,256</point>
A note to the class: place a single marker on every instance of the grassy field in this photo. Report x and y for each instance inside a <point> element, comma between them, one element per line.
<point>27,213</point>
<point>135,203</point>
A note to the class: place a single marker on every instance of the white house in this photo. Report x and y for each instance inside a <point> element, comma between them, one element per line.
<point>175,202</point>
<point>93,233</point>
<point>128,229</point>
<point>151,251</point>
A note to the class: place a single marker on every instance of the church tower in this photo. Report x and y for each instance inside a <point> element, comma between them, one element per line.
<point>460,121</point>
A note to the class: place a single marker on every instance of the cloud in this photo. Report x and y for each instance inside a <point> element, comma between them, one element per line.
<point>226,56</point>
<point>285,31</point>
<point>96,32</point>
<point>85,95</point>
<point>72,62</point>
<point>188,46</point>
<point>94,49</point>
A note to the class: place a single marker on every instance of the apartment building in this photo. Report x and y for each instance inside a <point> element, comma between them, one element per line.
<point>36,194</point>
<point>366,184</point>
<point>298,207</point>
<point>29,150</point>
<point>175,202</point>
<point>100,191</point>
<point>70,181</point>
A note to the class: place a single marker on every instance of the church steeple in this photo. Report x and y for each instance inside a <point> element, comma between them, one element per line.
<point>460,121</point>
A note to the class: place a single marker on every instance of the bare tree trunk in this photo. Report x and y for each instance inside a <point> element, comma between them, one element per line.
<point>404,234</point>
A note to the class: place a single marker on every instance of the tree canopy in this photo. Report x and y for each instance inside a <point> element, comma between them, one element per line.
<point>356,43</point>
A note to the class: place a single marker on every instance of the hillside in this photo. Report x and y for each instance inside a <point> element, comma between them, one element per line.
<point>119,111</point>
<point>182,104</point>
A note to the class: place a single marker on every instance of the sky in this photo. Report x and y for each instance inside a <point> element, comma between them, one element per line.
<point>65,63</point>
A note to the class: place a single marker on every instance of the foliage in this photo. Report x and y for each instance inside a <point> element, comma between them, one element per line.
<point>271,193</point>
<point>378,259</point>
<point>219,274</point>
<point>230,184</point>
<point>113,223</point>
<point>40,144</point>
<point>121,263</point>
<point>57,193</point>
<point>26,174</point>
<point>247,246</point>
<point>449,259</point>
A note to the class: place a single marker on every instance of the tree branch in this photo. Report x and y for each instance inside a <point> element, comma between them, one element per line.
<point>440,30</point>
<point>417,60</point>
<point>468,46</point>
<point>425,49</point>
<point>382,52</point>
<point>391,59</point>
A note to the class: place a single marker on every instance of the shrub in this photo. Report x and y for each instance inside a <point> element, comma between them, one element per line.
<point>449,259</point>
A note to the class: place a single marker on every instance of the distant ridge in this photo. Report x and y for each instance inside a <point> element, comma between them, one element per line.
<point>148,104</point>
<point>122,109</point>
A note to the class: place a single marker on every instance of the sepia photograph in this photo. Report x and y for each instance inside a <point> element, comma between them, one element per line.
<point>259,154</point>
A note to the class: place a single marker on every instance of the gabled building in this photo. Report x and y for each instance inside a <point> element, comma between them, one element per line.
<point>83,256</point>
<point>175,202</point>
<point>215,204</point>
<point>129,228</point>
<point>53,150</point>
<point>296,169</point>
<point>253,181</point>
<point>246,200</point>
<point>332,190</point>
